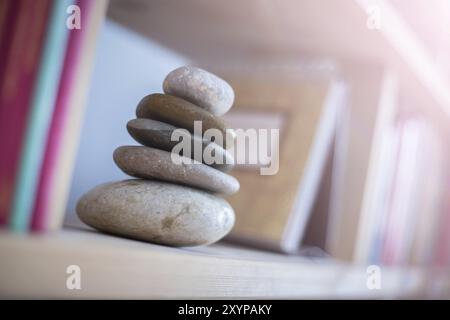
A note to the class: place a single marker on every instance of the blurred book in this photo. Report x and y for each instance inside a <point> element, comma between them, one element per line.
<point>56,171</point>
<point>39,117</point>
<point>273,210</point>
<point>398,204</point>
<point>354,140</point>
<point>441,251</point>
<point>408,232</point>
<point>22,43</point>
<point>46,71</point>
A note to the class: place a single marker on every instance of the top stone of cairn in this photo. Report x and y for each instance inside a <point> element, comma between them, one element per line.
<point>201,88</point>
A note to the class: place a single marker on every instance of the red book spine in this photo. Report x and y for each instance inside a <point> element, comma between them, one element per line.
<point>8,13</point>
<point>54,147</point>
<point>24,37</point>
<point>442,248</point>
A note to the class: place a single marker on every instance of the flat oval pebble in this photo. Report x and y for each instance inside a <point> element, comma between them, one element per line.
<point>180,113</point>
<point>150,163</point>
<point>157,212</point>
<point>156,134</point>
<point>200,87</point>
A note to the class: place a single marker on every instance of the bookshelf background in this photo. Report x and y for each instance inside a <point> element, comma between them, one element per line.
<point>397,72</point>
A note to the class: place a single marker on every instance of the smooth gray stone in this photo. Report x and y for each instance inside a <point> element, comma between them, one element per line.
<point>200,87</point>
<point>157,212</point>
<point>150,163</point>
<point>183,114</point>
<point>156,134</point>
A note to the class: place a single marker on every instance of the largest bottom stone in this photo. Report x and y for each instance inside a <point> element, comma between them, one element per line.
<point>157,212</point>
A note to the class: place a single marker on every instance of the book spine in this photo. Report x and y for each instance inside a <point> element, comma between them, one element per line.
<point>406,195</point>
<point>62,175</point>
<point>441,255</point>
<point>8,13</point>
<point>42,104</point>
<point>432,187</point>
<point>59,119</point>
<point>26,58</point>
<point>15,92</point>
<point>386,170</point>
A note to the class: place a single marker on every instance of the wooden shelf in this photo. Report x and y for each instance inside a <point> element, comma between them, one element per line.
<point>111,267</point>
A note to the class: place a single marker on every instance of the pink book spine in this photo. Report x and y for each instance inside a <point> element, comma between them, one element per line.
<point>54,147</point>
<point>442,249</point>
<point>19,72</point>
<point>387,247</point>
<point>9,12</point>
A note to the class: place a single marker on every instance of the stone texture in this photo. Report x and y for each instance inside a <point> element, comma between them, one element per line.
<point>179,113</point>
<point>200,87</point>
<point>150,163</point>
<point>157,212</point>
<point>155,134</point>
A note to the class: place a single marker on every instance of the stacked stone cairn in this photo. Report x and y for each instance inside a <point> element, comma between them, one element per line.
<point>173,201</point>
